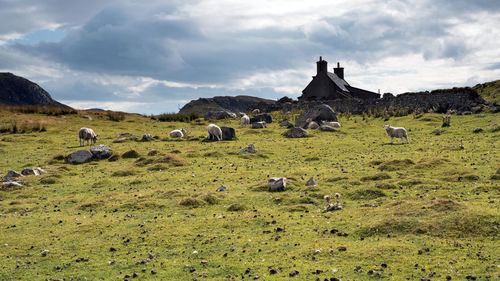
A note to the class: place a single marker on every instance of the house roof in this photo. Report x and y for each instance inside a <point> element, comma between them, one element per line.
<point>341,83</point>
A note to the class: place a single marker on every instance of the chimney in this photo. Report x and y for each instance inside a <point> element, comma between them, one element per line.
<point>339,71</point>
<point>321,66</point>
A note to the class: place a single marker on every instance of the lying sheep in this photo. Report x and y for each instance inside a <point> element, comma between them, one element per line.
<point>86,134</point>
<point>331,124</point>
<point>332,206</point>
<point>258,125</point>
<point>396,132</point>
<point>214,132</point>
<point>245,120</point>
<point>178,133</point>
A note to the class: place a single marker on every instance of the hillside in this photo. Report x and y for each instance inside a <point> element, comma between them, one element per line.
<point>16,90</point>
<point>234,104</point>
<point>490,91</point>
<point>419,211</point>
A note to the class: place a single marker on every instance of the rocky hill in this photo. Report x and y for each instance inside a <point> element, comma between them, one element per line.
<point>490,91</point>
<point>15,90</point>
<point>235,104</point>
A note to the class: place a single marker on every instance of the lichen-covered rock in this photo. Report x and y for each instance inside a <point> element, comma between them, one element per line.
<point>79,157</point>
<point>311,181</point>
<point>263,117</point>
<point>286,124</point>
<point>312,125</point>
<point>259,125</point>
<point>30,171</point>
<point>327,128</point>
<point>147,137</point>
<point>322,112</point>
<point>296,133</point>
<point>100,151</point>
<point>11,174</point>
<point>221,188</point>
<point>248,149</point>
<point>277,184</point>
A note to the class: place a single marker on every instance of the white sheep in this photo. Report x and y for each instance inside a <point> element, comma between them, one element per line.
<point>214,132</point>
<point>245,120</point>
<point>178,133</point>
<point>332,206</point>
<point>331,124</point>
<point>86,134</point>
<point>396,132</point>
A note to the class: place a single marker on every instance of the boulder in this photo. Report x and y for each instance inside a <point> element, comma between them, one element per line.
<point>11,174</point>
<point>259,125</point>
<point>228,133</point>
<point>327,128</point>
<point>277,184</point>
<point>147,137</point>
<point>219,114</point>
<point>30,171</point>
<point>100,151</point>
<point>318,113</point>
<point>221,188</point>
<point>286,124</point>
<point>79,157</point>
<point>248,149</point>
<point>86,117</point>
<point>11,184</point>
<point>263,117</point>
<point>126,136</point>
<point>312,125</point>
<point>296,133</point>
<point>311,181</point>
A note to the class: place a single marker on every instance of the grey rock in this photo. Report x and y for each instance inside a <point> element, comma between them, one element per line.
<point>221,188</point>
<point>317,114</point>
<point>286,124</point>
<point>248,149</point>
<point>259,125</point>
<point>11,184</point>
<point>30,171</point>
<point>147,137</point>
<point>327,128</point>
<point>100,151</point>
<point>263,117</point>
<point>11,175</point>
<point>228,133</point>
<point>312,125</point>
<point>219,114</point>
<point>277,184</point>
<point>86,117</point>
<point>296,133</point>
<point>311,181</point>
<point>79,157</point>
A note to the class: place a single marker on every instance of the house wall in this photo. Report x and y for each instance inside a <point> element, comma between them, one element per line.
<point>321,88</point>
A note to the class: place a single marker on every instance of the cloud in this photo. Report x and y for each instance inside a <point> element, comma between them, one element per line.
<point>142,55</point>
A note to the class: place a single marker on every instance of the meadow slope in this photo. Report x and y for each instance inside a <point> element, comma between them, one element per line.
<point>424,210</point>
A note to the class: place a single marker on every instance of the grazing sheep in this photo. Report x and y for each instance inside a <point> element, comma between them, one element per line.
<point>396,132</point>
<point>331,124</point>
<point>258,125</point>
<point>86,134</point>
<point>256,111</point>
<point>214,132</point>
<point>332,206</point>
<point>178,133</point>
<point>245,120</point>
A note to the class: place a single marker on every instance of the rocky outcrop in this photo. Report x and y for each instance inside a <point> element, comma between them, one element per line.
<point>322,112</point>
<point>15,90</point>
<point>234,104</point>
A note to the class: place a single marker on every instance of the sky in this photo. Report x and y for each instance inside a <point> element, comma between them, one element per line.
<point>153,57</point>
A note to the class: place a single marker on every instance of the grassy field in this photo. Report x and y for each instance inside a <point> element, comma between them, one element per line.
<point>433,208</point>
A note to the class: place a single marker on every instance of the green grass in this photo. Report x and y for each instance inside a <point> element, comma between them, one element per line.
<point>435,211</point>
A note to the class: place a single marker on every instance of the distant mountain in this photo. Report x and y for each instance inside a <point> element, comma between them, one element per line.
<point>490,91</point>
<point>15,90</point>
<point>234,104</point>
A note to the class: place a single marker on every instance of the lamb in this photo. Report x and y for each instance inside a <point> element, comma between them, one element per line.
<point>332,206</point>
<point>245,120</point>
<point>331,124</point>
<point>397,132</point>
<point>214,132</point>
<point>178,133</point>
<point>86,134</point>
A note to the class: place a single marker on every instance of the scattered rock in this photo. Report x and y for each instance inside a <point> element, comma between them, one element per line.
<point>11,184</point>
<point>342,248</point>
<point>259,125</point>
<point>312,125</point>
<point>318,113</point>
<point>100,151</point>
<point>277,184</point>
<point>147,137</point>
<point>228,133</point>
<point>11,174</point>
<point>126,136</point>
<point>311,181</point>
<point>248,149</point>
<point>273,271</point>
<point>79,157</point>
<point>477,130</point>
<point>221,188</point>
<point>293,273</point>
<point>86,117</point>
<point>44,253</point>
<point>263,117</point>
<point>286,124</point>
<point>30,171</point>
<point>296,133</point>
<point>328,128</point>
